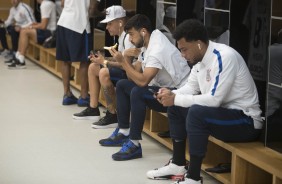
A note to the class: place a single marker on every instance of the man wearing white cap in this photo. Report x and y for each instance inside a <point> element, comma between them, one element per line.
<point>108,75</point>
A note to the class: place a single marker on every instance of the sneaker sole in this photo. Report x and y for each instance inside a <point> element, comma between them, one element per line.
<point>168,177</point>
<point>15,68</point>
<point>94,118</point>
<point>113,125</point>
<point>131,158</point>
<point>20,67</point>
<point>72,103</point>
<point>111,145</point>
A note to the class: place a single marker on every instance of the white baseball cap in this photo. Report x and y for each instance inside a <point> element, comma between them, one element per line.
<point>113,13</point>
<point>170,12</point>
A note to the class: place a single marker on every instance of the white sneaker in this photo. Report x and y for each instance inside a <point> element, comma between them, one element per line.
<point>169,171</point>
<point>188,181</point>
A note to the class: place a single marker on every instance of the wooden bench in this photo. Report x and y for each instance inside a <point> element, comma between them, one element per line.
<point>44,57</point>
<point>251,162</point>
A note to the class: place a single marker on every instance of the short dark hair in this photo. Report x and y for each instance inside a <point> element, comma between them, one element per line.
<point>138,22</point>
<point>191,30</point>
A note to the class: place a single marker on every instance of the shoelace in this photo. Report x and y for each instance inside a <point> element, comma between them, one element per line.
<point>88,109</point>
<point>107,116</point>
<point>126,146</point>
<point>170,160</point>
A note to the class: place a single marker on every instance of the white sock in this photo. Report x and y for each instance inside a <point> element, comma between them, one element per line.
<point>124,131</point>
<point>135,142</point>
<point>21,58</point>
<point>17,54</point>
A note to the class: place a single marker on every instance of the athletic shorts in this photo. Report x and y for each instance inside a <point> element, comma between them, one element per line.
<point>116,74</point>
<point>72,46</point>
<point>42,35</point>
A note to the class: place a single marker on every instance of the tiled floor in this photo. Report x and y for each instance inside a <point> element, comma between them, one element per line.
<point>40,143</point>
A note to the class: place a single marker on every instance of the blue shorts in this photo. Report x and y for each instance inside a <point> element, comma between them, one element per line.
<point>72,46</point>
<point>116,74</point>
<point>42,35</point>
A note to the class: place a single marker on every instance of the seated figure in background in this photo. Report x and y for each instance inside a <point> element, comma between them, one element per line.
<point>37,32</point>
<point>20,16</point>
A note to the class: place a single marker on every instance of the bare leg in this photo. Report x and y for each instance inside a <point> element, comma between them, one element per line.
<point>94,84</point>
<point>109,90</point>
<point>83,69</point>
<point>66,72</point>
<point>25,35</point>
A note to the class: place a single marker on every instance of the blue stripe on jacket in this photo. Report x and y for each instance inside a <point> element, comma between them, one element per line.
<point>220,70</point>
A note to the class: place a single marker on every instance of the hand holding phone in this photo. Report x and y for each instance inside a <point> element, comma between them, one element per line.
<point>153,91</point>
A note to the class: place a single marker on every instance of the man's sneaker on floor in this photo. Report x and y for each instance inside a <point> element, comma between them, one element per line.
<point>88,114</point>
<point>128,151</point>
<point>10,61</point>
<point>169,171</point>
<point>5,52</point>
<point>108,121</point>
<point>69,100</point>
<point>189,181</point>
<point>83,102</point>
<point>9,55</point>
<point>17,65</point>
<point>116,139</point>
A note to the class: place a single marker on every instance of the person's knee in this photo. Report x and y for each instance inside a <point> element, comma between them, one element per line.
<point>121,84</point>
<point>93,70</point>
<point>138,92</point>
<point>104,74</point>
<point>194,111</point>
<point>24,32</point>
<point>194,117</point>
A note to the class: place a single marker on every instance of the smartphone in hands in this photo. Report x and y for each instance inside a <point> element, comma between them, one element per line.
<point>153,91</point>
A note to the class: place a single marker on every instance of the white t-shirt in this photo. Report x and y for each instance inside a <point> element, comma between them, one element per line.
<point>75,15</point>
<point>162,54</point>
<point>22,15</point>
<point>221,79</point>
<point>48,10</point>
<point>124,43</point>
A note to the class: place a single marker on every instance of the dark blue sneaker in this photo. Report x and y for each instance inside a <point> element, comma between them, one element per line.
<point>128,151</point>
<point>116,139</point>
<point>83,102</point>
<point>69,100</point>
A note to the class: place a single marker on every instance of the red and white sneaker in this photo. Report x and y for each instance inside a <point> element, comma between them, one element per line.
<point>170,171</point>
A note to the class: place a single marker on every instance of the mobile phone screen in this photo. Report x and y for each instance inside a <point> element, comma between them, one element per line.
<point>153,91</point>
